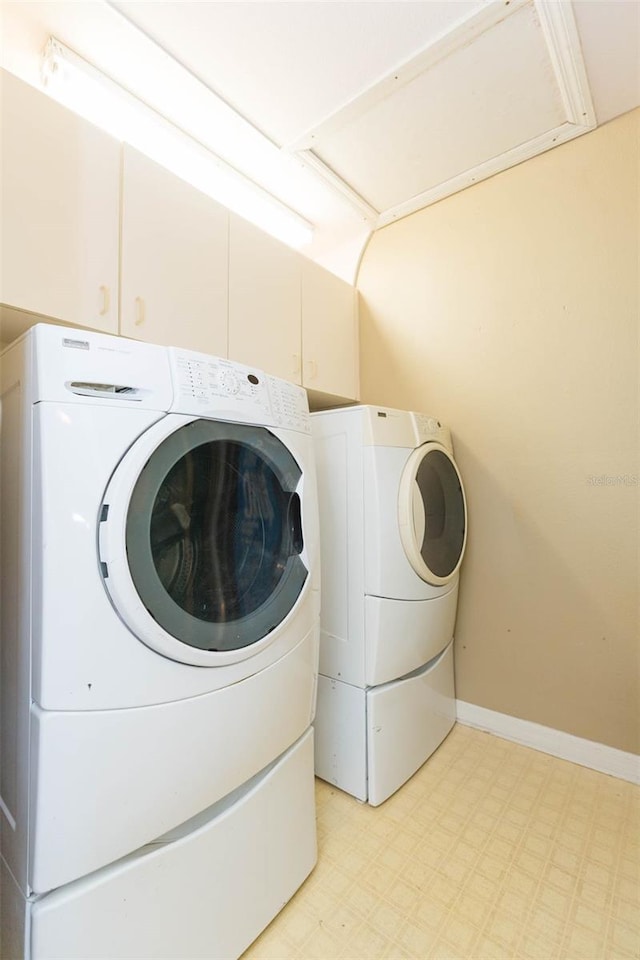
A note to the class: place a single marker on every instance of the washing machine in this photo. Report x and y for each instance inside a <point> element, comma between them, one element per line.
<point>393,533</point>
<point>160,588</point>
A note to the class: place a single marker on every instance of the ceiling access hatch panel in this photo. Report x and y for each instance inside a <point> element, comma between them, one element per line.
<point>499,88</point>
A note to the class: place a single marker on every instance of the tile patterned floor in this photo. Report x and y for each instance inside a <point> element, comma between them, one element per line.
<point>490,851</point>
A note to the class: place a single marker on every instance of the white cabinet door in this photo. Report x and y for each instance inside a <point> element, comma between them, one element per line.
<point>329,333</point>
<point>264,301</point>
<point>174,260</point>
<point>60,211</point>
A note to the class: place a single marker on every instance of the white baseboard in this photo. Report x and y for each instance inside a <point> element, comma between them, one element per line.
<point>587,753</point>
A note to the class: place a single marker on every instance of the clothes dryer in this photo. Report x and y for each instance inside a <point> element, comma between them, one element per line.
<point>393,535</point>
<point>160,632</point>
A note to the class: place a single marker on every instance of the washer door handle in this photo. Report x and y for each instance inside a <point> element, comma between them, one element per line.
<point>295,523</point>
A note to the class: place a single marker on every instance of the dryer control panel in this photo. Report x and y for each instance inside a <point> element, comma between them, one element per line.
<point>429,428</point>
<point>387,427</point>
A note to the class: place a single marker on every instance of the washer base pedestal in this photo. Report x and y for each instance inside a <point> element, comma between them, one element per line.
<point>206,890</point>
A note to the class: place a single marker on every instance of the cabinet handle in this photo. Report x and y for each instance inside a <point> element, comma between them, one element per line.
<point>313,369</point>
<point>106,299</point>
<point>296,363</point>
<point>140,311</point>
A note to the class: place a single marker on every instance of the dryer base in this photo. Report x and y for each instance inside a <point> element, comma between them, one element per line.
<point>370,741</point>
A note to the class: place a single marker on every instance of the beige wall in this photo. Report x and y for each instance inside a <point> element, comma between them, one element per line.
<point>511,311</point>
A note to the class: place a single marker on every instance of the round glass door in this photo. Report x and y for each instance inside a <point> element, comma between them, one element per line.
<point>433,501</point>
<point>213,534</point>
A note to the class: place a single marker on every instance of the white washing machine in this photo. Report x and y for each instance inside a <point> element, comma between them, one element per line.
<point>393,528</point>
<point>160,604</point>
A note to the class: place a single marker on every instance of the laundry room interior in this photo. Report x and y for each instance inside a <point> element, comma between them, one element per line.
<point>340,241</point>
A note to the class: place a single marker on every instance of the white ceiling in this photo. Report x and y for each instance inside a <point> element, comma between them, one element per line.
<point>356,113</point>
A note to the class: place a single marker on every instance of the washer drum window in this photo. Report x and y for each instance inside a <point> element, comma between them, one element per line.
<point>213,534</point>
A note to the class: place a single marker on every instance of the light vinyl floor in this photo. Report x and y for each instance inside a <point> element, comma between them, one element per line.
<point>491,850</point>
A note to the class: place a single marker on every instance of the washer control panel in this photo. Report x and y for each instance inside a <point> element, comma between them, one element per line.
<point>290,405</point>
<point>202,379</point>
<point>212,386</point>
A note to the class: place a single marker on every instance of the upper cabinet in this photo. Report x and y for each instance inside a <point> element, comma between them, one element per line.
<point>329,333</point>
<point>289,316</point>
<point>60,211</point>
<point>94,234</point>
<point>174,260</point>
<point>264,302</point>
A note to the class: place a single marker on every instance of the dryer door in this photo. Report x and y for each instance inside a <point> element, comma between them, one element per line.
<point>432,512</point>
<point>201,543</point>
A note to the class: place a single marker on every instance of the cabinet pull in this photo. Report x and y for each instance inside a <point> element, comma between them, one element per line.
<point>140,311</point>
<point>313,369</point>
<point>105,299</point>
<point>296,363</point>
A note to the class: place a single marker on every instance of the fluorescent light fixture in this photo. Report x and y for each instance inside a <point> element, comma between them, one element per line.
<point>75,83</point>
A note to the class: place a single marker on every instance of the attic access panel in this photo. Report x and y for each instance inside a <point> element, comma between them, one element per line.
<point>503,86</point>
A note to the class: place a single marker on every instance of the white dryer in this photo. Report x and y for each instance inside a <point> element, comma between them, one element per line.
<point>393,535</point>
<point>159,637</point>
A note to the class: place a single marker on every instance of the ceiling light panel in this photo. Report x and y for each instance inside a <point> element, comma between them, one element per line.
<point>78,85</point>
